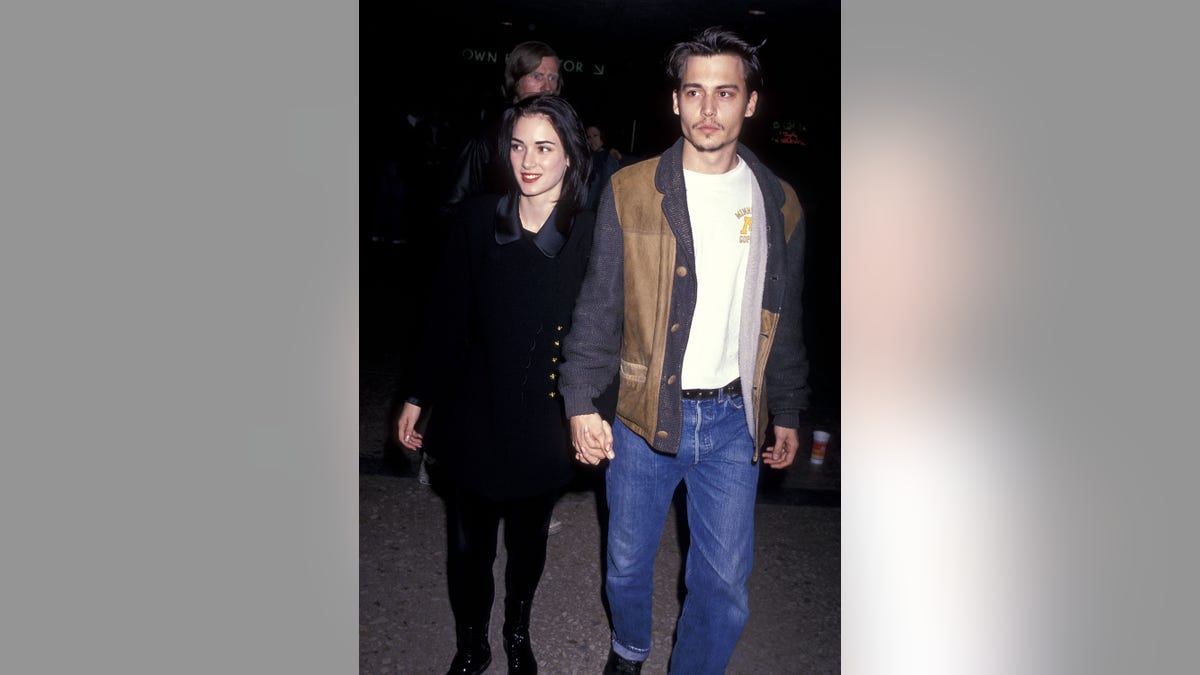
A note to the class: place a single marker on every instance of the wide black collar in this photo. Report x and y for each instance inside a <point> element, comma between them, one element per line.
<point>549,240</point>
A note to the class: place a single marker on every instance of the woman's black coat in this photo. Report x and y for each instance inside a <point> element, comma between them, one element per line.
<point>492,347</point>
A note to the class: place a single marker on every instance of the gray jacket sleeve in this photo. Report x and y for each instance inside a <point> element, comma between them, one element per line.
<point>787,366</point>
<point>592,350</point>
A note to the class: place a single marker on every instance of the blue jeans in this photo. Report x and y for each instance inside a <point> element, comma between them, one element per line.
<point>714,462</point>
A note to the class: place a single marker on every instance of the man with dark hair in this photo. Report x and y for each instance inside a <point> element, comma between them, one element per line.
<point>697,264</point>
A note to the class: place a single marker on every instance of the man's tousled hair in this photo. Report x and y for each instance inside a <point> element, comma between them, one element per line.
<point>713,41</point>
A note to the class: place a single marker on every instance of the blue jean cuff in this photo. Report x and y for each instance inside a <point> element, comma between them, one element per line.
<point>630,653</point>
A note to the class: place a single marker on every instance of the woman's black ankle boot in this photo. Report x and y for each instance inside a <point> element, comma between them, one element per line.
<point>474,653</point>
<point>516,639</point>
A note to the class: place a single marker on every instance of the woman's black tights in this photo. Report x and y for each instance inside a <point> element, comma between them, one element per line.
<point>472,524</point>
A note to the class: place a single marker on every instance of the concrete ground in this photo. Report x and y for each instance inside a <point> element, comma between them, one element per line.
<point>405,623</point>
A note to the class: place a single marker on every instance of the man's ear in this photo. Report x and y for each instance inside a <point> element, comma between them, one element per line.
<point>675,101</point>
<point>752,105</point>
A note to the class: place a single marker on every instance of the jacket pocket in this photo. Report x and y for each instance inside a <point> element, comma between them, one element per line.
<point>633,373</point>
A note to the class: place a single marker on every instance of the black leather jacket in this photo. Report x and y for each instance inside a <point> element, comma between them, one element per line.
<point>477,167</point>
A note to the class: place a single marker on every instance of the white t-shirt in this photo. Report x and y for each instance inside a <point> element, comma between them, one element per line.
<point>719,206</point>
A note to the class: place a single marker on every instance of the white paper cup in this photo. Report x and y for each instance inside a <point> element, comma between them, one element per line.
<point>820,440</point>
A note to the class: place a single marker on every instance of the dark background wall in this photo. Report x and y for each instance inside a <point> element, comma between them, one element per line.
<point>450,67</point>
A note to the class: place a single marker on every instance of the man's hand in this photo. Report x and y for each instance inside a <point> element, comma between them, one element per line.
<point>592,438</point>
<point>409,438</point>
<point>783,453</point>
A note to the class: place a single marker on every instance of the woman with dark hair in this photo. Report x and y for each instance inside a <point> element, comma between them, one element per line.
<point>491,351</point>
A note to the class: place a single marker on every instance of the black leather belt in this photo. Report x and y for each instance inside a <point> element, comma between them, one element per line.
<point>730,389</point>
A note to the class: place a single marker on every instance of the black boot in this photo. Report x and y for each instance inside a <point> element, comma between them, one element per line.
<point>621,666</point>
<point>474,653</point>
<point>516,638</point>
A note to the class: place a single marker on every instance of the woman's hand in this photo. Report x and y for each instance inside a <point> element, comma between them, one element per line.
<point>409,437</point>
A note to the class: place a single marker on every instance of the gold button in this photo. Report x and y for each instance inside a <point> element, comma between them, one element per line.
<point>554,376</point>
<point>661,434</point>
<point>556,343</point>
<point>671,380</point>
<point>553,359</point>
<point>560,328</point>
<point>552,394</point>
<point>681,271</point>
<point>674,327</point>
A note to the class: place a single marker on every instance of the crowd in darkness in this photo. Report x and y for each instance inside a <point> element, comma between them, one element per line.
<point>405,169</point>
<point>405,175</point>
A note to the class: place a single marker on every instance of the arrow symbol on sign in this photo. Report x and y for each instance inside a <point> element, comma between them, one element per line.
<point>599,69</point>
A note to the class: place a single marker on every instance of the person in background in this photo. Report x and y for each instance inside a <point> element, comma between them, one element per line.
<point>605,163</point>
<point>692,296</point>
<point>489,365</point>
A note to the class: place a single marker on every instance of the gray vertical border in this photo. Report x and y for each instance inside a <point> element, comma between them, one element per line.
<point>1078,121</point>
<point>178,278</point>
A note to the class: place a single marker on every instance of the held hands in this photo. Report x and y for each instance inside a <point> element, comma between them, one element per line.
<point>592,438</point>
<point>783,453</point>
<point>409,437</point>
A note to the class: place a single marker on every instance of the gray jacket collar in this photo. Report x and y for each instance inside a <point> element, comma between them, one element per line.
<point>668,178</point>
